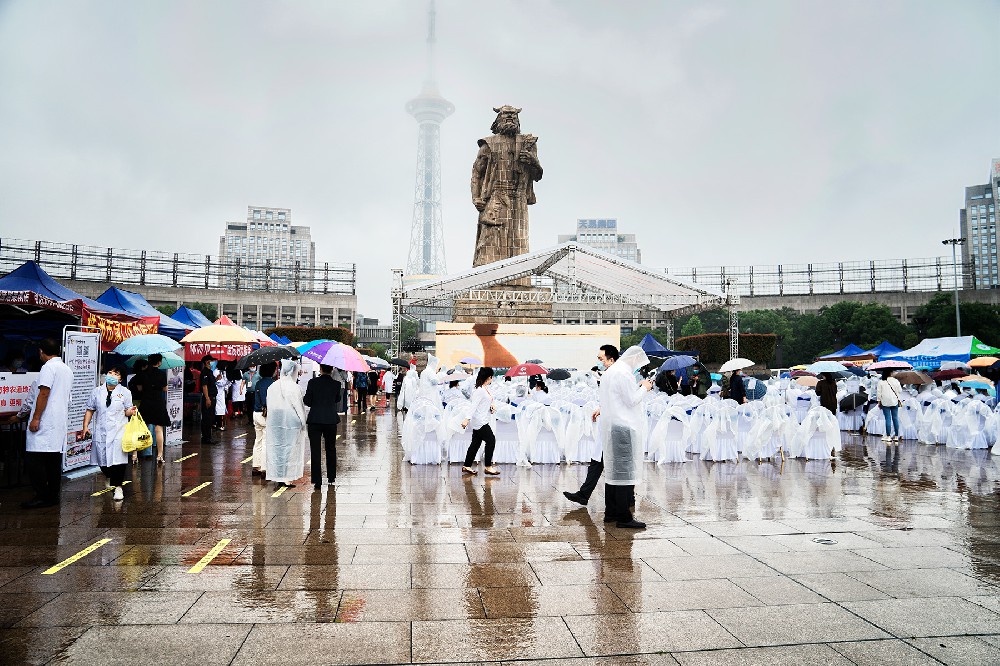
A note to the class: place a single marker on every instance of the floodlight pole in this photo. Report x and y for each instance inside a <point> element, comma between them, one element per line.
<point>397,311</point>
<point>732,301</point>
<point>955,242</point>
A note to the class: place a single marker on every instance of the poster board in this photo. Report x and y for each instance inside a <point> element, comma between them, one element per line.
<point>175,405</point>
<point>505,345</point>
<point>81,353</point>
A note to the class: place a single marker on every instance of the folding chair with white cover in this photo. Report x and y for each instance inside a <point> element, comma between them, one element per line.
<point>874,420</point>
<point>770,434</point>
<point>719,441</point>
<point>909,418</point>
<point>968,426</point>
<point>423,431</point>
<point>667,438</point>
<point>818,436</point>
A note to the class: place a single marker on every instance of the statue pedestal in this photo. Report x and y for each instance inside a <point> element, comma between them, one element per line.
<point>502,310</point>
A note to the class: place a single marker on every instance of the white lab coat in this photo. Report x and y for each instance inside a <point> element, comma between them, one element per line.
<point>107,425</point>
<point>623,422</point>
<point>54,426</point>
<point>286,427</point>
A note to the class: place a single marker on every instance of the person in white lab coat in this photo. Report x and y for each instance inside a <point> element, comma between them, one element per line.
<point>622,429</point>
<point>48,427</point>
<point>286,427</point>
<point>108,411</point>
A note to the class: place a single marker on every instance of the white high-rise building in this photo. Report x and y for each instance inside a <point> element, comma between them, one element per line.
<point>271,252</point>
<point>602,234</point>
<point>978,220</point>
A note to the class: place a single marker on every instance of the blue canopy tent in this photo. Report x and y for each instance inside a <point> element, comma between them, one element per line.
<point>280,339</point>
<point>190,317</point>
<point>884,349</point>
<point>653,348</point>
<point>847,352</point>
<point>135,304</point>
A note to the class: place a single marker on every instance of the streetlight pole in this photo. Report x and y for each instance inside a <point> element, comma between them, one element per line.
<point>955,242</point>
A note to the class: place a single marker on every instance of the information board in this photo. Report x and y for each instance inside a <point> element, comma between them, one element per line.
<point>81,353</point>
<point>175,405</point>
<point>14,389</point>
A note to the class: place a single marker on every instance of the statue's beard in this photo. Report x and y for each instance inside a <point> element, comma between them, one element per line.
<point>508,127</point>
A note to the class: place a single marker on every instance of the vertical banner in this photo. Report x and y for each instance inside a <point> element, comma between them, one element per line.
<point>81,352</point>
<point>175,405</point>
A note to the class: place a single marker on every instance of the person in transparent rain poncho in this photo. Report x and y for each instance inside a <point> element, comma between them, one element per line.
<point>622,430</point>
<point>286,427</point>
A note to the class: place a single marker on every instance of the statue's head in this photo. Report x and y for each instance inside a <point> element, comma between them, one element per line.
<point>507,121</point>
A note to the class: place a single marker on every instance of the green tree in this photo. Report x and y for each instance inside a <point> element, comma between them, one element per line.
<point>692,326</point>
<point>936,319</point>
<point>379,350</point>
<point>167,309</point>
<point>638,334</point>
<point>207,309</point>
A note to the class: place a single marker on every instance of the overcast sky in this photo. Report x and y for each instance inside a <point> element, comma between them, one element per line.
<point>718,132</point>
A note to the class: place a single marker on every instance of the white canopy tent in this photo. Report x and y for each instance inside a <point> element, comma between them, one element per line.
<point>566,273</point>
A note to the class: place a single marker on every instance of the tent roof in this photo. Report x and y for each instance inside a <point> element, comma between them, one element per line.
<point>884,349</point>
<point>932,351</point>
<point>980,348</point>
<point>580,274</point>
<point>850,350</point>
<point>191,317</point>
<point>652,346</point>
<point>135,304</point>
<point>29,277</point>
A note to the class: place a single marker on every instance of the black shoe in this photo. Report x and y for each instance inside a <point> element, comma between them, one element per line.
<point>317,486</point>
<point>575,497</point>
<point>610,519</point>
<point>631,525</point>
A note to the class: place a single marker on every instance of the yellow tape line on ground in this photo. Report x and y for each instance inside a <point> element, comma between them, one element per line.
<point>108,490</point>
<point>196,489</point>
<point>246,460</point>
<point>277,493</point>
<point>209,556</point>
<point>190,455</point>
<point>238,436</point>
<point>70,560</point>
<point>353,421</point>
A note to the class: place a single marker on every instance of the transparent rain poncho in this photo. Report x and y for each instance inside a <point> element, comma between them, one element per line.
<point>623,419</point>
<point>286,426</point>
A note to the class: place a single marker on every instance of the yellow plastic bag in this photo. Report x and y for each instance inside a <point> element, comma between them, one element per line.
<point>137,436</point>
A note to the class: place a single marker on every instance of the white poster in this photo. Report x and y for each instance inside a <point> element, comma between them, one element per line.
<point>175,405</point>
<point>81,352</point>
<point>14,389</point>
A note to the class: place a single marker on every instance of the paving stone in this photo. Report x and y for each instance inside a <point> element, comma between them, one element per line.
<point>801,623</point>
<point>648,632</point>
<point>908,618</point>
<point>792,655</point>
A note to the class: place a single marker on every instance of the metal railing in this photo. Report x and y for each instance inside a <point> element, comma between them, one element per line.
<point>165,269</point>
<point>887,275</point>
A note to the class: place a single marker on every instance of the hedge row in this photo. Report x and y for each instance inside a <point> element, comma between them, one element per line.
<point>307,333</point>
<point>714,347</point>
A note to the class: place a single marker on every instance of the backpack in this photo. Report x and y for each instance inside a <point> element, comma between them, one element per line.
<point>361,380</point>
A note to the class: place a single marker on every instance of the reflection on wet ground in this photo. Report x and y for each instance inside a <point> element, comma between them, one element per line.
<point>881,556</point>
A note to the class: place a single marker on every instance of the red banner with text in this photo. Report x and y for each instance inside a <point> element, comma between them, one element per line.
<point>114,331</point>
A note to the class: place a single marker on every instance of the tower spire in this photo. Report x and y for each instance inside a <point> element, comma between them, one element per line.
<point>426,255</point>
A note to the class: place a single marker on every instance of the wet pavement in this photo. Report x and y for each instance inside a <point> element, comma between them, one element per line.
<point>861,560</point>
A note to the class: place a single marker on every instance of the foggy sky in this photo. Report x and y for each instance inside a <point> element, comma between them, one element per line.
<point>718,132</point>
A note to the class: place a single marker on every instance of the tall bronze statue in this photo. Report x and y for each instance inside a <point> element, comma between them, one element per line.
<point>503,186</point>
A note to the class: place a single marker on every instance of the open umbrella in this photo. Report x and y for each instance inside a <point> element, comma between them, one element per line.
<point>802,373</point>
<point>264,355</point>
<point>558,374</point>
<point>677,362</point>
<point>471,360</point>
<point>754,388</point>
<point>526,370</point>
<point>375,363</point>
<point>220,333</point>
<point>980,383</point>
<point>534,360</point>
<point>854,370</point>
<point>983,361</point>
<point>853,401</point>
<point>946,375</point>
<point>806,381</point>
<point>400,362</point>
<point>955,365</point>
<point>827,366</point>
<point>170,360</point>
<point>913,377</point>
<point>150,343</point>
<point>974,378</point>
<point>735,364</point>
<point>888,365</point>
<point>338,355</point>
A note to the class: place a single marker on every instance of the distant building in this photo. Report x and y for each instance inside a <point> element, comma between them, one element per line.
<point>368,332</point>
<point>602,234</point>
<point>272,252</point>
<point>979,228</point>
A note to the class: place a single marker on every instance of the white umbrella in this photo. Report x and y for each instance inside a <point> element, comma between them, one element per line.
<point>736,364</point>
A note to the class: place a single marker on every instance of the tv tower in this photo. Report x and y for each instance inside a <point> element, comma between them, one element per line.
<point>430,109</point>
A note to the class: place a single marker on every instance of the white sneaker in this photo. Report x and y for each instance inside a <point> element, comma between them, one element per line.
<point>886,438</point>
<point>119,493</point>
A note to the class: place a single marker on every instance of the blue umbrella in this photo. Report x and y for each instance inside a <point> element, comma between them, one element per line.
<point>826,366</point>
<point>677,362</point>
<point>151,343</point>
<point>755,389</point>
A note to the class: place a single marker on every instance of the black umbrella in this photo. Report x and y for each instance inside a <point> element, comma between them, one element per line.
<point>534,360</point>
<point>558,374</point>
<point>400,362</point>
<point>853,401</point>
<point>267,355</point>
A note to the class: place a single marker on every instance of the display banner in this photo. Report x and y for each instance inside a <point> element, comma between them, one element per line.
<point>506,345</point>
<point>81,353</point>
<point>114,332</point>
<point>38,300</point>
<point>194,351</point>
<point>175,405</point>
<point>14,389</point>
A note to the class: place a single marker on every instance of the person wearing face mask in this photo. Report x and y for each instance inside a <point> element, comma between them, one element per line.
<point>209,394</point>
<point>607,356</point>
<point>108,411</point>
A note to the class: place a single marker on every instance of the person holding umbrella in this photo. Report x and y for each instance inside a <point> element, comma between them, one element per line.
<point>887,393</point>
<point>826,388</point>
<point>700,380</point>
<point>264,382</point>
<point>108,411</point>
<point>153,407</point>
<point>388,380</point>
<point>286,427</point>
<point>323,399</point>
<point>737,391</point>
<point>209,394</point>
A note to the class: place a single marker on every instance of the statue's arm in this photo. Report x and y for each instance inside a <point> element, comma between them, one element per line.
<point>479,175</point>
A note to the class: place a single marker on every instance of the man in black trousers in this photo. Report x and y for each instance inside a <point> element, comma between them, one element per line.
<point>209,394</point>
<point>607,355</point>
<point>323,399</point>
